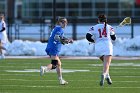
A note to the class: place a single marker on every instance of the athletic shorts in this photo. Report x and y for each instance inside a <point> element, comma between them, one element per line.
<point>52,52</point>
<point>3,37</point>
<point>103,49</point>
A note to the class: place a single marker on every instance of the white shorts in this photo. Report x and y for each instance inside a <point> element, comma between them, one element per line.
<point>3,37</point>
<point>103,48</point>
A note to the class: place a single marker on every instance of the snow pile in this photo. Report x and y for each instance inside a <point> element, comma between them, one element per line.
<point>122,47</point>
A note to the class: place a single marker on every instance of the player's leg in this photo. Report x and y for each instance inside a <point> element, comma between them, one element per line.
<point>107,61</point>
<point>1,50</point>
<point>106,65</point>
<point>106,68</point>
<point>50,66</point>
<point>59,70</point>
<point>0,47</point>
<point>102,75</point>
<point>44,69</point>
<point>107,77</point>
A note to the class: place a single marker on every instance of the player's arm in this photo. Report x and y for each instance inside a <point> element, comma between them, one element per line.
<point>90,37</point>
<point>3,28</point>
<point>113,37</point>
<point>63,40</point>
<point>112,34</point>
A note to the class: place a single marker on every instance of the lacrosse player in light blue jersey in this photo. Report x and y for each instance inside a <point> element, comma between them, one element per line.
<point>53,48</point>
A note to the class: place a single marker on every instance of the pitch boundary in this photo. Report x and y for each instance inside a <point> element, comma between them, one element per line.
<point>67,87</point>
<point>75,57</point>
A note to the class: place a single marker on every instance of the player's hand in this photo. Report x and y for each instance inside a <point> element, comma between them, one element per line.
<point>70,40</point>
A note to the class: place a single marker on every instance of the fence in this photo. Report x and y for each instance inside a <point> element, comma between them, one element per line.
<point>75,29</point>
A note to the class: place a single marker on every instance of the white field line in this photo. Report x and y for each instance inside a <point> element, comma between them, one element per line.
<point>26,86</point>
<point>28,63</point>
<point>68,80</point>
<point>125,68</point>
<point>65,75</point>
<point>64,71</point>
<point>74,67</point>
<point>16,67</point>
<point>66,87</point>
<point>115,68</point>
<point>119,64</point>
<point>18,75</point>
<point>124,72</point>
<point>38,70</point>
<point>26,80</point>
<point>73,57</point>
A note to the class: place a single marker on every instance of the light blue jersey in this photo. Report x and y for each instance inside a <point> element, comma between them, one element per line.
<point>54,46</point>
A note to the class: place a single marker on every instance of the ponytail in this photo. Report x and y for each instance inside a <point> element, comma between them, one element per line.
<point>105,25</point>
<point>102,18</point>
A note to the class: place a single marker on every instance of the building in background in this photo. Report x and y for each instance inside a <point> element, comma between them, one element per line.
<point>21,14</point>
<point>80,9</point>
<point>3,6</point>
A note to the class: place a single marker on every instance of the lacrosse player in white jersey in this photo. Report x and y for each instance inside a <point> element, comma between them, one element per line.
<point>3,36</point>
<point>102,35</point>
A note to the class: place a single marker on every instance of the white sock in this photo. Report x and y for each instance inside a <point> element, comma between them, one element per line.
<point>107,75</point>
<point>46,69</point>
<point>60,78</point>
<point>104,74</point>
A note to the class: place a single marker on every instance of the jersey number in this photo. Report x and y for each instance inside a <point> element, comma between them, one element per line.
<point>102,33</point>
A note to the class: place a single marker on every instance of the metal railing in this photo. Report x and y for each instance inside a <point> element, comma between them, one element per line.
<point>41,31</point>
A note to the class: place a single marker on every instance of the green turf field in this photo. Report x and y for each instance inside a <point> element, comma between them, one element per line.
<point>22,76</point>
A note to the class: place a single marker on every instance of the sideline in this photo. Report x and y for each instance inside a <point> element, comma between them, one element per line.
<point>74,57</point>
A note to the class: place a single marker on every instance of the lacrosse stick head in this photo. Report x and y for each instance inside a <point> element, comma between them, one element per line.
<point>126,20</point>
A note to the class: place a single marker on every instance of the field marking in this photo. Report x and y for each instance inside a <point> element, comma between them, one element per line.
<point>124,72</point>
<point>16,67</point>
<point>25,86</point>
<point>125,68</point>
<point>37,70</point>
<point>18,75</point>
<point>40,77</point>
<point>94,57</point>
<point>127,76</point>
<point>95,66</point>
<point>58,86</point>
<point>118,64</point>
<point>26,80</point>
<point>74,57</point>
<point>68,80</point>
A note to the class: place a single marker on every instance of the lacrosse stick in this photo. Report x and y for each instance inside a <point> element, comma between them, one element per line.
<point>126,20</point>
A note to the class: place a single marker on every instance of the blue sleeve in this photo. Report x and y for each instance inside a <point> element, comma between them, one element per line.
<point>59,31</point>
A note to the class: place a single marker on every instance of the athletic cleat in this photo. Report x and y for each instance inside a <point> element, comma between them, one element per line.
<point>109,81</point>
<point>42,70</point>
<point>63,82</point>
<point>102,80</point>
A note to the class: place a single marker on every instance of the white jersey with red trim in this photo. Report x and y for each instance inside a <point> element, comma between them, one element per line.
<point>103,42</point>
